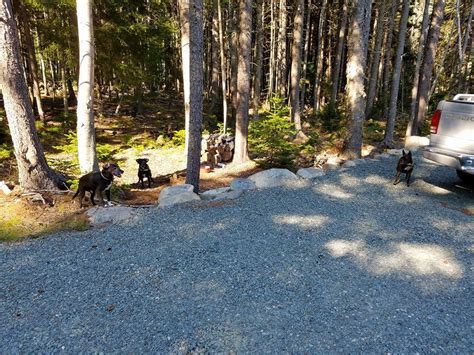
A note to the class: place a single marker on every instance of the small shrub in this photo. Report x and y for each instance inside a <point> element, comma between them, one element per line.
<point>6,151</point>
<point>270,137</point>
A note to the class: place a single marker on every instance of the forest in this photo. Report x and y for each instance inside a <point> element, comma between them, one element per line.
<point>85,82</point>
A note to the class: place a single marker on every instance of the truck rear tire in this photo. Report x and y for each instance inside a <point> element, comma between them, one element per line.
<point>467,178</point>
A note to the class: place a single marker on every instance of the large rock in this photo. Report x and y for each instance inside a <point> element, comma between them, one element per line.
<point>222,194</point>
<point>176,194</point>
<point>242,184</point>
<point>310,173</point>
<point>273,178</point>
<point>416,142</point>
<point>333,163</point>
<point>101,216</point>
<point>5,188</point>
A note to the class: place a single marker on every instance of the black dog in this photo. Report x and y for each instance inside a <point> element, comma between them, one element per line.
<point>144,171</point>
<point>98,182</point>
<point>405,165</point>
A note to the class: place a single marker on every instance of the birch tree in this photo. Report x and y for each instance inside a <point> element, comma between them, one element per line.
<point>85,97</point>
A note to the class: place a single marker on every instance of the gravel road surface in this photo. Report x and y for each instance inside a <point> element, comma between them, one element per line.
<point>347,264</point>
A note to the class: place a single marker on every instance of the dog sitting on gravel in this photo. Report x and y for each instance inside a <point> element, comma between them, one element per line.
<point>99,182</point>
<point>144,172</point>
<point>405,165</point>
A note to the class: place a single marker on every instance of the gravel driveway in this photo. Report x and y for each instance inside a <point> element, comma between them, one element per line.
<point>349,264</point>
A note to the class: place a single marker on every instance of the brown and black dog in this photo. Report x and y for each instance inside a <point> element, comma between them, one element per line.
<point>99,182</point>
<point>144,172</point>
<point>405,165</point>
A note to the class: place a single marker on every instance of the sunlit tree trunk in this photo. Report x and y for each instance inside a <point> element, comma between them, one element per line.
<point>339,51</point>
<point>25,17</point>
<point>305,57</point>
<point>64,89</point>
<point>192,13</point>
<point>243,82</point>
<point>33,170</point>
<point>281,70</point>
<point>257,82</point>
<point>355,72</point>
<point>428,64</point>
<point>85,97</point>
<point>388,56</point>
<point>374,69</point>
<point>318,62</point>
<point>223,66</point>
<point>397,68</point>
<point>296,64</point>
<point>419,57</point>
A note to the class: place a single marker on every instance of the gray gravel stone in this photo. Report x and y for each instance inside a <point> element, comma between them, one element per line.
<point>352,265</point>
<point>310,173</point>
<point>242,184</point>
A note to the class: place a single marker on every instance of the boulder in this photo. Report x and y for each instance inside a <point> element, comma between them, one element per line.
<point>211,194</point>
<point>273,178</point>
<point>416,142</point>
<point>310,173</point>
<point>242,184</point>
<point>229,195</point>
<point>100,216</point>
<point>176,194</point>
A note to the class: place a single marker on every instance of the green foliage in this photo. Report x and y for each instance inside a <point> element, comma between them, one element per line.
<point>179,138</point>
<point>6,151</point>
<point>270,137</point>
<point>104,151</point>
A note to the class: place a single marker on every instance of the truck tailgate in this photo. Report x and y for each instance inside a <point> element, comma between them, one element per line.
<point>456,127</point>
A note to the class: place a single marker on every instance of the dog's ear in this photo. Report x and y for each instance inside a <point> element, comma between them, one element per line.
<point>409,153</point>
<point>146,160</point>
<point>138,161</point>
<point>403,152</point>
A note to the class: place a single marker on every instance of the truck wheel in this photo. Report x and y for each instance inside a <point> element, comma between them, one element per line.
<point>467,178</point>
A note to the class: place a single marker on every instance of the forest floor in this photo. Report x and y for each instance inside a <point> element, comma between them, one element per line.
<point>155,134</point>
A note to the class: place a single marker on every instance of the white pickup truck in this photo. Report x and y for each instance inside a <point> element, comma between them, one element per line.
<point>452,136</point>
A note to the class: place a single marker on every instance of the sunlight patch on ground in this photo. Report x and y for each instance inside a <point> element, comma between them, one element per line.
<point>304,222</point>
<point>376,180</point>
<point>349,180</point>
<point>405,258</point>
<point>333,191</point>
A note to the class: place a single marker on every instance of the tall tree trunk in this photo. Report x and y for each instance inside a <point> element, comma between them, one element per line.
<point>85,102</point>
<point>257,82</point>
<point>305,57</point>
<point>397,68</point>
<point>272,64</point>
<point>374,69</point>
<point>64,88</point>
<point>184,9</point>
<point>318,62</point>
<point>215,94</point>
<point>234,56</point>
<point>388,56</point>
<point>428,64</point>
<point>223,66</point>
<point>340,47</point>
<point>281,70</point>
<point>419,57</point>
<point>462,72</point>
<point>42,64</point>
<point>243,82</point>
<point>196,44</point>
<point>296,64</point>
<point>356,63</point>
<point>33,170</point>
<point>33,65</point>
